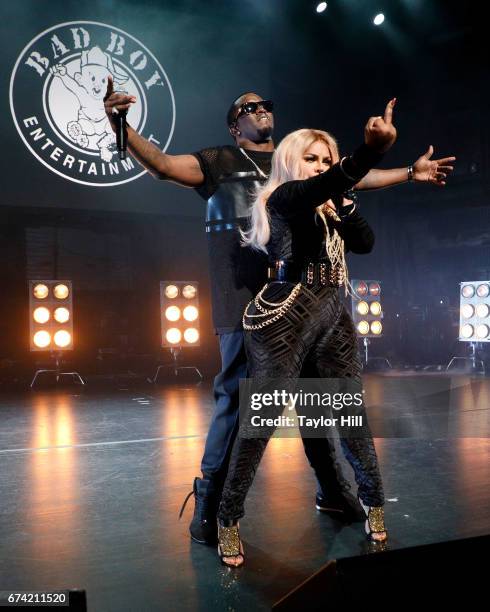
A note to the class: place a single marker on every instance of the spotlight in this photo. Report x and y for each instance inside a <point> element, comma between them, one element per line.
<point>321,7</point>
<point>374,289</point>
<point>467,291</point>
<point>483,290</point>
<point>172,313</point>
<point>360,288</point>
<point>482,332</point>
<point>191,335</point>
<point>363,327</point>
<point>363,308</point>
<point>62,338</point>
<point>189,292</point>
<point>378,20</point>
<point>61,291</point>
<point>173,336</point>
<point>62,315</point>
<point>467,311</point>
<point>41,339</point>
<point>190,313</point>
<point>171,292</point>
<point>40,291</point>
<point>375,309</point>
<point>482,311</point>
<point>466,331</point>
<point>376,328</point>
<point>41,315</point>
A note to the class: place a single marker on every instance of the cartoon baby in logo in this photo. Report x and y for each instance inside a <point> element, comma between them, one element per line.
<point>92,128</point>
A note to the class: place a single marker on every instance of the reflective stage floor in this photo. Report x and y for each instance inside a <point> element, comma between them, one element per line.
<point>92,484</point>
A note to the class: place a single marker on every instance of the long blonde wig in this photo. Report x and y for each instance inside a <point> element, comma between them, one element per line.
<point>285,167</point>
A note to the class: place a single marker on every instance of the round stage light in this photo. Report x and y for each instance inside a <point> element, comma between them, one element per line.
<point>376,328</point>
<point>189,292</point>
<point>482,311</point>
<point>482,290</point>
<point>172,313</point>
<point>171,291</point>
<point>173,335</point>
<point>374,289</point>
<point>379,19</point>
<point>363,327</point>
<point>191,335</point>
<point>40,291</point>
<point>61,292</point>
<point>62,338</point>
<point>466,331</point>
<point>363,308</point>
<point>42,339</point>
<point>61,315</point>
<point>482,331</point>
<point>375,309</point>
<point>190,313</point>
<point>41,315</point>
<point>361,289</point>
<point>467,291</point>
<point>467,311</point>
<point>321,7</point>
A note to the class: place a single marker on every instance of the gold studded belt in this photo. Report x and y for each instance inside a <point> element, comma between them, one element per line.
<point>320,272</point>
<point>266,312</point>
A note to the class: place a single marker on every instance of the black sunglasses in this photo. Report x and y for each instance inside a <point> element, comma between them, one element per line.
<point>252,107</point>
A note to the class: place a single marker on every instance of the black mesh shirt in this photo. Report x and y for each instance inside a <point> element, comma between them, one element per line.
<point>236,272</point>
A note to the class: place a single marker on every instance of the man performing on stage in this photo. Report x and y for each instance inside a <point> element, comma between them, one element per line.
<point>226,176</point>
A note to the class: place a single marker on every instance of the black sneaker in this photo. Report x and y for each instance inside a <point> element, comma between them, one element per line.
<point>342,507</point>
<point>204,527</point>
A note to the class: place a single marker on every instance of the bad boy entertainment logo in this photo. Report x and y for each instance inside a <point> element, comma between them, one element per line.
<point>56,98</point>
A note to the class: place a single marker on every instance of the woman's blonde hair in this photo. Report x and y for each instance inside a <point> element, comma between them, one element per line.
<point>286,166</point>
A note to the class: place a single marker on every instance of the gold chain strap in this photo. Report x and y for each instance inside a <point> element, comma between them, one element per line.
<point>276,313</point>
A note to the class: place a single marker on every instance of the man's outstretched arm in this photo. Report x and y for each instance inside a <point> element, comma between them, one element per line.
<point>425,170</point>
<point>182,169</point>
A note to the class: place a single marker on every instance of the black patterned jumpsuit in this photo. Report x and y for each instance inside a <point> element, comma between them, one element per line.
<point>316,329</point>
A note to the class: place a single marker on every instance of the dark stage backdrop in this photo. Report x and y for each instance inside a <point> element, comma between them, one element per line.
<point>186,61</point>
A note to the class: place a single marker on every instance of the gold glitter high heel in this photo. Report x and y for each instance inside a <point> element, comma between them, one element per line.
<point>229,544</point>
<point>375,522</point>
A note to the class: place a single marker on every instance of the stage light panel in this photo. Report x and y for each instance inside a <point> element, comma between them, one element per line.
<point>50,320</point>
<point>474,311</point>
<point>179,306</point>
<point>366,307</point>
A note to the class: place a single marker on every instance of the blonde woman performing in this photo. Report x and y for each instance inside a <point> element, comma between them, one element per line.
<point>305,236</point>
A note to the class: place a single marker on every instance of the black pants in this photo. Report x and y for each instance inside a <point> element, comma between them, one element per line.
<point>318,330</point>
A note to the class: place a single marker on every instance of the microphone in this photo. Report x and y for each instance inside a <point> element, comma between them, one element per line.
<point>121,130</point>
<point>122,134</point>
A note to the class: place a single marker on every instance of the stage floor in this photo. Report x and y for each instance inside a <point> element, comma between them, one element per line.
<point>92,484</point>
